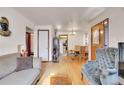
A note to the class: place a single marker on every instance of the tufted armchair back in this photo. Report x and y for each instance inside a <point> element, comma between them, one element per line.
<point>113,55</point>
<point>107,58</point>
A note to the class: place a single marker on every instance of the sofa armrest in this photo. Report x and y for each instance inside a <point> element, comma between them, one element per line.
<point>36,63</point>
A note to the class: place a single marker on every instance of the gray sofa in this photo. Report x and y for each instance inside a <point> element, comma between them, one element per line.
<point>104,70</point>
<point>8,75</point>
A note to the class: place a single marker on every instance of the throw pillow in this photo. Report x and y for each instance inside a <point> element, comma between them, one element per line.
<point>24,63</point>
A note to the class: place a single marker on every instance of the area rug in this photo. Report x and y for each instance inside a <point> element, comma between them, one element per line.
<point>60,80</point>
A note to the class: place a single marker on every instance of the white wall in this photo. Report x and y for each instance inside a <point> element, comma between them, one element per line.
<point>76,39</point>
<point>51,34</point>
<point>116,26</point>
<point>17,24</point>
<point>73,40</point>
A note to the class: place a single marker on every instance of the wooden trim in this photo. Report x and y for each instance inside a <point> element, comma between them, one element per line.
<point>38,41</point>
<point>101,22</point>
<point>28,43</point>
<point>101,27</point>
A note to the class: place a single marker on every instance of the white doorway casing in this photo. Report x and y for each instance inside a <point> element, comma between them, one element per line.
<point>43,44</point>
<point>51,35</point>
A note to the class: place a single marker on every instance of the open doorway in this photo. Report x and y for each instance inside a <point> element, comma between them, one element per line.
<point>63,43</point>
<point>29,41</point>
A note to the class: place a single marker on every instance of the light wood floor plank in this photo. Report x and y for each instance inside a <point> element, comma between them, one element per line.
<point>66,66</point>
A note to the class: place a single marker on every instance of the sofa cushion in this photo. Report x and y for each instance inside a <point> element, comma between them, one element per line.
<point>24,63</point>
<point>24,77</point>
<point>7,64</point>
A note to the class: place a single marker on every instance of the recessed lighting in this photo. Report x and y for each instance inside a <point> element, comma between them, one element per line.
<point>73,33</point>
<point>58,27</point>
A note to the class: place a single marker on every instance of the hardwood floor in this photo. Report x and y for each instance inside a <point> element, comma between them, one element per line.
<point>66,67</point>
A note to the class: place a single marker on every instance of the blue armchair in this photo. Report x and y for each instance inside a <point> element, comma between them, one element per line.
<point>88,71</point>
<point>104,70</point>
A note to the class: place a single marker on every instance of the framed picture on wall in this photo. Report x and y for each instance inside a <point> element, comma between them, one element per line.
<point>95,36</point>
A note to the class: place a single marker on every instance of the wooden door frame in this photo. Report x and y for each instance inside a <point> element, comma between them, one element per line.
<point>102,22</point>
<point>38,41</point>
<point>107,19</point>
<point>28,43</point>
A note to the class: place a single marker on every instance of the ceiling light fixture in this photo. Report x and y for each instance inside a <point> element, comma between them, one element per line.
<point>72,30</point>
<point>58,27</point>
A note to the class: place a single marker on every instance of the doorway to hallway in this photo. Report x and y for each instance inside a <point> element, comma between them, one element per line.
<point>63,44</point>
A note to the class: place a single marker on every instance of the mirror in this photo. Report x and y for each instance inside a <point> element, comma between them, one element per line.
<point>4,27</point>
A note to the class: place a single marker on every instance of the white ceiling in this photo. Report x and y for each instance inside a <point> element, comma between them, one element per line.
<point>63,16</point>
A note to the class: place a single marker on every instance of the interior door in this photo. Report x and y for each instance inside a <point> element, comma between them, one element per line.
<point>43,45</point>
<point>97,41</point>
<point>99,37</point>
